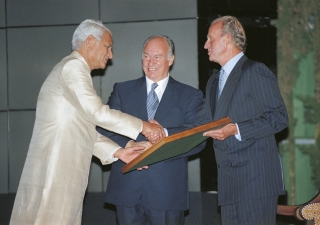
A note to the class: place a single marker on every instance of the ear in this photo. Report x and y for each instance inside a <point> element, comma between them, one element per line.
<point>171,60</point>
<point>228,38</point>
<point>90,41</point>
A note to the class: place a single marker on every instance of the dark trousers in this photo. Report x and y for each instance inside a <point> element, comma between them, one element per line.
<point>260,211</point>
<point>143,214</point>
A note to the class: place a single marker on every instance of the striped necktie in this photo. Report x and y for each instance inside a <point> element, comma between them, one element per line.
<point>222,77</point>
<point>152,102</point>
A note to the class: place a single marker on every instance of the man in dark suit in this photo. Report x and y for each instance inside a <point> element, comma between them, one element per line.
<point>158,195</point>
<point>250,176</point>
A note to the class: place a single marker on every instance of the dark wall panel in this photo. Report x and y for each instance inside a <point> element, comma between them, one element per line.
<point>241,8</point>
<point>4,153</point>
<point>48,12</point>
<point>2,13</point>
<point>3,70</point>
<point>144,10</point>
<point>31,59</point>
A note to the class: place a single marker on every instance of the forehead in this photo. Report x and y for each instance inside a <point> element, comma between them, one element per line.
<point>215,29</point>
<point>106,38</point>
<point>156,45</point>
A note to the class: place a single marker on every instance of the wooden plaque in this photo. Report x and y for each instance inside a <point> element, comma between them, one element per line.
<point>174,145</point>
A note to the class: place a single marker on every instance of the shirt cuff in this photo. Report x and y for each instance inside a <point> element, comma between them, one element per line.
<point>238,135</point>
<point>141,128</point>
<point>166,131</point>
<point>112,158</point>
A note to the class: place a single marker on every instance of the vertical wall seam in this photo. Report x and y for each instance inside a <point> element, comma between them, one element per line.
<point>7,75</point>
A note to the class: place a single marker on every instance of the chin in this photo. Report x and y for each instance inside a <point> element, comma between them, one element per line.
<point>212,59</point>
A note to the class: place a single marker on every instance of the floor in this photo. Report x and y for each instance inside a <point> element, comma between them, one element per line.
<point>203,210</point>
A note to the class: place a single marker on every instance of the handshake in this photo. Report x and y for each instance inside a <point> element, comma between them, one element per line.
<point>153,132</point>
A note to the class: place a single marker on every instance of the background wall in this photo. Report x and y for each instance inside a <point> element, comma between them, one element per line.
<point>35,35</point>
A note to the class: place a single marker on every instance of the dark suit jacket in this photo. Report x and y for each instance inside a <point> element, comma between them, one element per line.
<point>250,168</point>
<point>166,182</point>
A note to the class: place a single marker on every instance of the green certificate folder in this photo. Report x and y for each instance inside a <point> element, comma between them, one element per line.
<point>174,145</point>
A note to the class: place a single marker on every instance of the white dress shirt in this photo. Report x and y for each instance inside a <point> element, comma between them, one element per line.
<point>162,84</point>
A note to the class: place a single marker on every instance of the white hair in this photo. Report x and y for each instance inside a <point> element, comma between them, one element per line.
<point>87,28</point>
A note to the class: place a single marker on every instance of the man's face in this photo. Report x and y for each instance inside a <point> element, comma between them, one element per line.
<point>155,60</point>
<point>216,44</point>
<point>100,51</point>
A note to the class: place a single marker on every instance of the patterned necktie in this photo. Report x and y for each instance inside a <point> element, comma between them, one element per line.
<point>152,102</point>
<point>222,77</point>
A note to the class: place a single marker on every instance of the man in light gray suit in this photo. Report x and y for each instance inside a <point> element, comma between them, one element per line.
<point>55,175</point>
<point>250,176</point>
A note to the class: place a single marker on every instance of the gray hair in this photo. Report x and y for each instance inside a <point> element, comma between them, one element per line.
<point>167,39</point>
<point>233,27</point>
<point>87,28</point>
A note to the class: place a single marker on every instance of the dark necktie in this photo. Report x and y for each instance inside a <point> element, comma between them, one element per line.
<point>152,102</point>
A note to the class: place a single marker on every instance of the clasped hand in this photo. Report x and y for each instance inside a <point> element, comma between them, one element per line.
<point>153,131</point>
<point>222,133</point>
<point>132,150</point>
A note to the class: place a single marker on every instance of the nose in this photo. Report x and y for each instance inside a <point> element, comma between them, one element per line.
<point>206,45</point>
<point>110,54</point>
<point>151,61</point>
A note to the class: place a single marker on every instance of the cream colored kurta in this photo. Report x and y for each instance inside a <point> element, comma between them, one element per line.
<point>55,174</point>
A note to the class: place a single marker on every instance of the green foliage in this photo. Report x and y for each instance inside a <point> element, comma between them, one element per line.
<point>313,152</point>
<point>312,109</point>
<point>298,32</point>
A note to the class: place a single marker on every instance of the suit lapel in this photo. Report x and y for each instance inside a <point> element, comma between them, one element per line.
<point>212,93</point>
<point>227,93</point>
<point>140,98</point>
<point>169,98</point>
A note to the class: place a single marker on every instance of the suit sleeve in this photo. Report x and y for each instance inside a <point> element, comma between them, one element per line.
<point>76,85</point>
<point>204,115</point>
<point>192,112</point>
<point>104,149</point>
<point>271,116</point>
<point>114,102</point>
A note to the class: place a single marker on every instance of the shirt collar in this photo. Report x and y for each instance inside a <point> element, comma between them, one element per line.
<point>162,84</point>
<point>228,67</point>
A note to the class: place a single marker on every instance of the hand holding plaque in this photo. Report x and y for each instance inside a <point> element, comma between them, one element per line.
<point>174,145</point>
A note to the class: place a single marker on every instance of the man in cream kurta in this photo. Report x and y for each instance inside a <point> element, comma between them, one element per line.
<point>55,174</point>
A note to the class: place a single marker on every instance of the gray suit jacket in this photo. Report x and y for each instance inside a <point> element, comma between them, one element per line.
<point>250,168</point>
